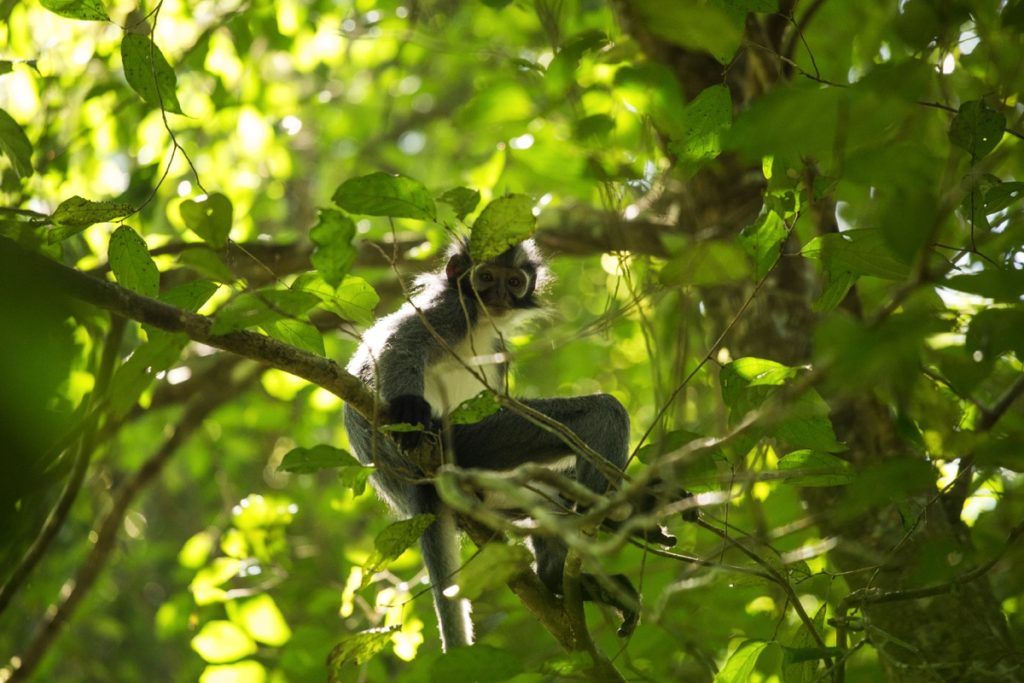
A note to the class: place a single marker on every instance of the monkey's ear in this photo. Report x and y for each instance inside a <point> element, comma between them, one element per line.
<point>458,265</point>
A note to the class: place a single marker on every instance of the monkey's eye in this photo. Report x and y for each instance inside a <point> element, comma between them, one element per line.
<point>514,282</point>
<point>486,276</point>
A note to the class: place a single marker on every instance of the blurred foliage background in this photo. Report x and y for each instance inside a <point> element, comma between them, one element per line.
<point>794,227</point>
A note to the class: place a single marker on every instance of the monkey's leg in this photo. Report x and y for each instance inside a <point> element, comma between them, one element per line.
<point>506,439</point>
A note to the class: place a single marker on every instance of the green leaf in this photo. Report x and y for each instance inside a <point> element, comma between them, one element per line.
<point>704,121</point>
<point>837,284</point>
<point>206,262</point>
<point>1001,285</point>
<point>462,199</point>
<point>474,409</point>
<point>761,371</point>
<point>740,665</point>
<point>209,217</point>
<point>15,144</point>
<point>148,72</point>
<point>807,425</point>
<point>812,468</point>
<point>255,309</point>
<point>89,10</point>
<point>384,194</point>
<point>692,25</point>
<point>355,299</point>
<point>131,263</point>
<point>977,129</point>
<point>355,477</point>
<point>319,457</point>
<point>595,128</point>
<point>157,355</point>
<point>206,586</point>
<point>355,650</point>
<point>476,663</point>
<point>393,541</point>
<point>76,214</point>
<point>503,223</point>
<point>298,333</point>
<point>861,252</point>
<point>1002,195</point>
<point>995,331</point>
<point>763,240</point>
<point>190,295</point>
<point>799,639</point>
<point>247,671</point>
<point>221,641</point>
<point>334,253</point>
<point>262,620</point>
<point>491,568</point>
<point>709,262</point>
<point>196,550</point>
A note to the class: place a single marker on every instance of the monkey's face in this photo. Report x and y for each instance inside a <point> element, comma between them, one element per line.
<point>501,288</point>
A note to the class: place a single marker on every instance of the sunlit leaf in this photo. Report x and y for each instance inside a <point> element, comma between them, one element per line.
<point>15,144</point>
<point>474,409</point>
<point>131,263</point>
<point>209,217</point>
<point>261,618</point>
<point>221,641</point>
<point>196,550</point>
<point>741,662</point>
<point>334,253</point>
<point>319,457</point>
<point>503,223</point>
<point>462,199</point>
<point>394,540</point>
<point>253,309</point>
<point>355,650</point>
<point>299,333</point>
<point>763,241</point>
<point>384,194</point>
<point>798,641</point>
<point>76,214</point>
<point>148,72</point>
<point>704,121</point>
<point>89,10</point>
<point>246,671</point>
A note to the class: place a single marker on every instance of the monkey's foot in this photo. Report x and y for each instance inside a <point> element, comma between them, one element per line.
<point>630,619</point>
<point>659,535</point>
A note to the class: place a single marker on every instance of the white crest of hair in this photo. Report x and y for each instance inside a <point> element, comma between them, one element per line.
<point>457,375</point>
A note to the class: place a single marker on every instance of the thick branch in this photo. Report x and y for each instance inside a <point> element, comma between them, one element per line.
<point>107,295</point>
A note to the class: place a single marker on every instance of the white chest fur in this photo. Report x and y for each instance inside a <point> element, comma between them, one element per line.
<point>454,377</point>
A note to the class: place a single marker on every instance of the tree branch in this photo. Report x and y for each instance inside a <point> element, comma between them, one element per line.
<point>107,295</point>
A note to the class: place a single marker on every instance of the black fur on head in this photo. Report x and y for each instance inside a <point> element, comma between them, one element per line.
<point>524,256</point>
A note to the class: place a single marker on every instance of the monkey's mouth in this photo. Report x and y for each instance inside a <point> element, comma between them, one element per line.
<point>497,310</point>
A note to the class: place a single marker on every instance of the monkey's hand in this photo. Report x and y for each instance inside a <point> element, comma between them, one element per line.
<point>410,409</point>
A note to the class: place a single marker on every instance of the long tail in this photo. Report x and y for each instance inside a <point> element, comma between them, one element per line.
<point>440,546</point>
